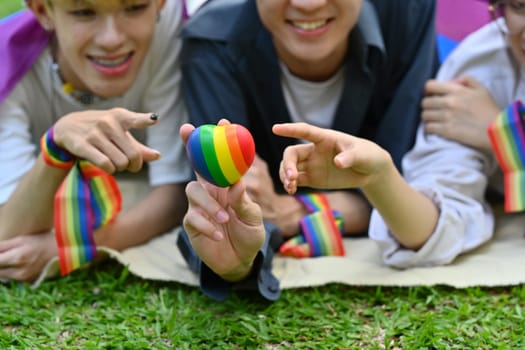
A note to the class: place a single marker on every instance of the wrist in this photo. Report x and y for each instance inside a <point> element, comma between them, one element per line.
<point>53,154</point>
<point>239,273</point>
<point>381,175</point>
<point>288,216</point>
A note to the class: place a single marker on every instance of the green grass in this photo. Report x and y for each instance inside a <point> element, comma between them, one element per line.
<point>107,308</point>
<point>10,6</point>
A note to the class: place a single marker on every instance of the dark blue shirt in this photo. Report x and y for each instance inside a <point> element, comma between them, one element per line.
<point>230,69</point>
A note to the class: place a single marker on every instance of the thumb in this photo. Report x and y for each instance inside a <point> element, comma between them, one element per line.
<point>247,210</point>
<point>148,154</point>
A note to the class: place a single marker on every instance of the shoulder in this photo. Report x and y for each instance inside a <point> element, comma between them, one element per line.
<point>170,21</point>
<point>478,54</point>
<point>400,14</point>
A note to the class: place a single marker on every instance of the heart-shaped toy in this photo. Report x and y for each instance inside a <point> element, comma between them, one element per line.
<point>221,153</point>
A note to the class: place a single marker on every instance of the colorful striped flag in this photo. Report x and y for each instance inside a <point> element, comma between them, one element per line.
<point>507,135</point>
<point>87,199</point>
<point>321,231</point>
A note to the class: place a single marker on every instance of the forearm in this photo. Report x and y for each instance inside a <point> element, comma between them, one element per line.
<point>352,206</point>
<point>160,211</point>
<point>30,207</point>
<point>286,214</point>
<point>410,215</point>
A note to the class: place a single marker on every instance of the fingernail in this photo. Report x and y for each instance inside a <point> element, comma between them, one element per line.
<point>222,216</point>
<point>154,116</point>
<point>217,235</point>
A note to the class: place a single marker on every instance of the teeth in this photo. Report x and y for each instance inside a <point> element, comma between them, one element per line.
<point>111,63</point>
<point>310,25</point>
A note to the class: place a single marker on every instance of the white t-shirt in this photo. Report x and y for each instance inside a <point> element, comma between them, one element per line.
<point>38,101</point>
<point>454,176</point>
<point>312,102</point>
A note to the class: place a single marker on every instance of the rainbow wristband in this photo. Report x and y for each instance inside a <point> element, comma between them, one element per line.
<point>507,135</point>
<point>321,230</point>
<point>53,154</point>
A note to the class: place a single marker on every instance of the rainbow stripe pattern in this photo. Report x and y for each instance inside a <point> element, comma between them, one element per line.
<point>53,154</point>
<point>507,135</point>
<point>87,199</point>
<point>221,153</point>
<point>321,230</point>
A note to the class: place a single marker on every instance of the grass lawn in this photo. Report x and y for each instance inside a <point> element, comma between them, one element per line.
<point>107,308</point>
<point>10,6</point>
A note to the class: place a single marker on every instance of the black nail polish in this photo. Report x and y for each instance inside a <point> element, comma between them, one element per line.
<point>154,116</point>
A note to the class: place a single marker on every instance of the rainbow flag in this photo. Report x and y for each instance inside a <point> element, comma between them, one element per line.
<point>87,199</point>
<point>320,231</point>
<point>507,135</point>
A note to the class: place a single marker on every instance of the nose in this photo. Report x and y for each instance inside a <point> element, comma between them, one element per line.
<point>308,5</point>
<point>110,36</point>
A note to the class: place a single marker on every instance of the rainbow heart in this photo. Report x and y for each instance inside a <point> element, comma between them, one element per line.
<point>221,153</point>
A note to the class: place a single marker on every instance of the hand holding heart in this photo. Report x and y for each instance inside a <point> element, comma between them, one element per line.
<point>224,225</point>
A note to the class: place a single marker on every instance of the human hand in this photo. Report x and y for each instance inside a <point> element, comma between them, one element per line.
<point>23,258</point>
<point>103,138</point>
<point>284,211</point>
<point>332,159</point>
<point>459,110</point>
<point>224,225</point>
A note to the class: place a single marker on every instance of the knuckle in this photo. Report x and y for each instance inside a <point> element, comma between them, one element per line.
<point>122,164</point>
<point>116,111</point>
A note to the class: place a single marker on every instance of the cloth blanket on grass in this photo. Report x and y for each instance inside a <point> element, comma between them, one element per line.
<point>497,263</point>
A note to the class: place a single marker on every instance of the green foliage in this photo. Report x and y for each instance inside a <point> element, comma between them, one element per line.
<point>108,308</point>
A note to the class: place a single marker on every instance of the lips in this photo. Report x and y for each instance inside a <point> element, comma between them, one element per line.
<point>111,66</point>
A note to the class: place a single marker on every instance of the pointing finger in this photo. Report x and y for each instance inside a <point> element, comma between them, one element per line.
<point>133,120</point>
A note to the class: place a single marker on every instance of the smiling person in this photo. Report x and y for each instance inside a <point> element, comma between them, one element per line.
<point>102,83</point>
<point>350,65</point>
<point>471,121</point>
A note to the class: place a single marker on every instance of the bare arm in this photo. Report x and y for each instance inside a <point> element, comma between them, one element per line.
<point>337,160</point>
<point>101,137</point>
<point>30,208</point>
<point>410,215</point>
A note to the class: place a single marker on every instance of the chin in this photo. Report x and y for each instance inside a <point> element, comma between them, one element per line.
<point>111,89</point>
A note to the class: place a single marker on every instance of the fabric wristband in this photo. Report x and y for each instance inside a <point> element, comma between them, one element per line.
<point>507,136</point>
<point>321,230</point>
<point>87,199</point>
<point>53,154</point>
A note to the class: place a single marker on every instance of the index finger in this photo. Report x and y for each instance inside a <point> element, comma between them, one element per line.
<point>299,131</point>
<point>133,120</point>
